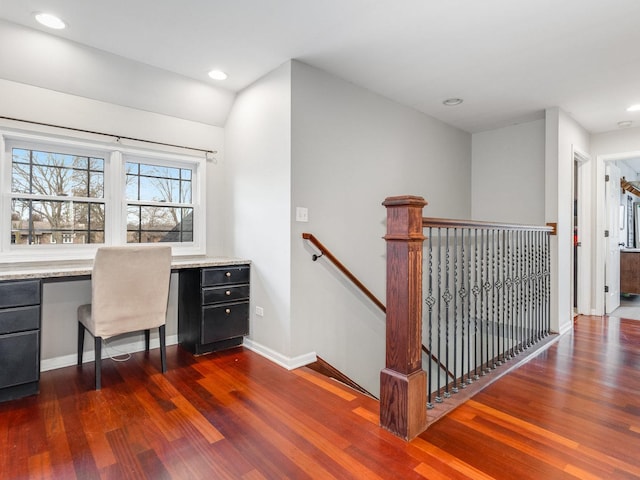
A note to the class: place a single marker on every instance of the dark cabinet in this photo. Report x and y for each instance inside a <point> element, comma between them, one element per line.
<point>213,307</point>
<point>19,338</point>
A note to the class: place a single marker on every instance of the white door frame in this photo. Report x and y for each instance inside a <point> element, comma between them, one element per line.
<point>582,163</point>
<point>598,233</point>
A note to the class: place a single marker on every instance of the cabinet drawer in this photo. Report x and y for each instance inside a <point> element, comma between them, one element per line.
<point>20,354</point>
<point>225,321</point>
<point>224,294</point>
<point>19,319</point>
<point>230,275</point>
<point>19,293</point>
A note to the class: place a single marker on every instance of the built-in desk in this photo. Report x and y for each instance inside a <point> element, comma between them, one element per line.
<point>198,330</point>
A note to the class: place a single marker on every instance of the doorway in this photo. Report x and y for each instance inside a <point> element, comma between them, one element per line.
<point>581,285</point>
<point>607,235</point>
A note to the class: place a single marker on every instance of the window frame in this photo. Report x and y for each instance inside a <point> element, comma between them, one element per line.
<point>115,156</point>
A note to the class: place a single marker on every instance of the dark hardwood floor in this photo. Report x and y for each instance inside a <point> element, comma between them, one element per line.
<point>571,412</point>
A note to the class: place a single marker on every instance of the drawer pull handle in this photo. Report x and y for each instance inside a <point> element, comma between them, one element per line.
<point>227,311</point>
<point>227,293</point>
<point>228,274</point>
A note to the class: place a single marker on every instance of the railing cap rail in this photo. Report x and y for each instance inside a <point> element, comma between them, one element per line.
<point>454,223</point>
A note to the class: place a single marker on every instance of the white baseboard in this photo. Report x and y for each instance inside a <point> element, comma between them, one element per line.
<point>286,362</point>
<point>89,356</point>
<point>567,327</point>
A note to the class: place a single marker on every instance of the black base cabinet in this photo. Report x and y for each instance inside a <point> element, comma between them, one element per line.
<point>213,307</point>
<point>19,338</point>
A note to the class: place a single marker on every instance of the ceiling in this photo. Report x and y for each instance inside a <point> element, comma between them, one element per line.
<point>508,60</point>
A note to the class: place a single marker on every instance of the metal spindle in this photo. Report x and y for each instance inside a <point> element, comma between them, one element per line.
<point>455,311</point>
<point>439,320</point>
<point>446,296</point>
<point>430,302</point>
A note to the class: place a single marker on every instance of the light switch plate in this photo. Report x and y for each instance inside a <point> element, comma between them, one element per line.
<point>302,214</point>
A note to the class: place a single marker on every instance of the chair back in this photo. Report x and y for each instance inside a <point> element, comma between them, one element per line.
<point>130,288</point>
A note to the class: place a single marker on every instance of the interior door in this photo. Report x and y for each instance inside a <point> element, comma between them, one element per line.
<point>612,266</point>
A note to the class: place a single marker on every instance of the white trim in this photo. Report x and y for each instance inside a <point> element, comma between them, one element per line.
<point>286,362</point>
<point>567,327</point>
<point>89,355</point>
<point>115,155</point>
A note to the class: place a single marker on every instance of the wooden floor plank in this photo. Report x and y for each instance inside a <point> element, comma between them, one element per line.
<point>571,412</point>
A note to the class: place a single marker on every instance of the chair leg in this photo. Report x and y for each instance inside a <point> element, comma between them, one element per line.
<point>98,350</point>
<point>80,342</point>
<point>147,339</point>
<point>163,348</point>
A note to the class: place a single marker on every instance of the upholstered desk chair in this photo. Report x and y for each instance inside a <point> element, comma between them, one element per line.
<point>129,293</point>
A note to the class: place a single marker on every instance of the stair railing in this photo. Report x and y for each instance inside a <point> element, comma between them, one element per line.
<point>487,296</point>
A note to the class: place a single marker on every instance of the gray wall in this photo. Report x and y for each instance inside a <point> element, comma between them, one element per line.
<point>350,150</point>
<point>258,154</point>
<point>508,174</point>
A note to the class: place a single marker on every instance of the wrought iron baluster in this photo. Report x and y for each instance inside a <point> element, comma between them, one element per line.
<point>548,282</point>
<point>500,301</point>
<point>464,286</point>
<point>510,290</point>
<point>487,292</point>
<point>476,292</point>
<point>455,311</point>
<point>439,319</point>
<point>446,296</point>
<point>517,293</point>
<point>532,281</point>
<point>430,301</point>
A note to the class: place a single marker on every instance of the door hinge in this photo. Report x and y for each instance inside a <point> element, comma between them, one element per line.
<point>606,233</point>
<point>606,289</point>
<point>606,178</point>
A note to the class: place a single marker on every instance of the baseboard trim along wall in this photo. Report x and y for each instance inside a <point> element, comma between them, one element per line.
<point>286,362</point>
<point>138,346</point>
<point>89,355</point>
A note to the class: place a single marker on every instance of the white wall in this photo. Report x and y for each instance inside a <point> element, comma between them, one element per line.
<point>562,136</point>
<point>507,174</point>
<point>41,105</point>
<point>350,150</point>
<point>258,156</point>
<point>36,58</point>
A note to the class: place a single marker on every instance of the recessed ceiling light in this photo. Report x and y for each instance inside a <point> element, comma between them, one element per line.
<point>218,75</point>
<point>452,102</point>
<point>625,123</point>
<point>634,108</point>
<point>49,20</point>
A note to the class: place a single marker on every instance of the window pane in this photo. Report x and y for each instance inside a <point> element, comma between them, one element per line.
<point>185,192</point>
<point>146,182</point>
<point>96,164</point>
<point>149,224</point>
<point>36,222</point>
<point>159,189</point>
<point>132,187</point>
<point>55,174</point>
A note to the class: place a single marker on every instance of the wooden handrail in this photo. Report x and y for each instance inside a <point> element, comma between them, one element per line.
<point>453,223</point>
<point>325,252</point>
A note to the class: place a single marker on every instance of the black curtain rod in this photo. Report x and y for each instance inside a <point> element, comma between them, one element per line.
<point>118,137</point>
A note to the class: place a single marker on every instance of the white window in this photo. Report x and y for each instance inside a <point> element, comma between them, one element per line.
<point>65,197</point>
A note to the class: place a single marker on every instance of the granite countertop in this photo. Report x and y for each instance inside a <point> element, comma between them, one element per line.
<point>78,268</point>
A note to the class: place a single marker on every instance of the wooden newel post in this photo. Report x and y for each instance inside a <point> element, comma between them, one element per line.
<point>403,389</point>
